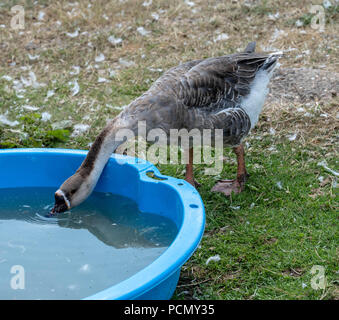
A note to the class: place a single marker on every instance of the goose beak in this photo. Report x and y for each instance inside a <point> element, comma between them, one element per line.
<point>52,212</point>
<point>58,208</point>
<point>61,204</point>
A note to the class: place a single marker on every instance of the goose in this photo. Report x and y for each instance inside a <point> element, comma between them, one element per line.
<point>226,92</point>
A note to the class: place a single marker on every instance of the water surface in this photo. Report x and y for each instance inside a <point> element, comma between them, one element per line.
<point>76,254</point>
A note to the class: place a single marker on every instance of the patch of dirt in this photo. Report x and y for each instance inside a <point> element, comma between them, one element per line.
<point>270,240</point>
<point>190,281</point>
<point>335,293</point>
<point>230,276</point>
<point>316,193</point>
<point>302,85</point>
<point>293,272</point>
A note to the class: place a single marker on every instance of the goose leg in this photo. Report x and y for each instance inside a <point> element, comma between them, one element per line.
<point>237,185</point>
<point>189,170</point>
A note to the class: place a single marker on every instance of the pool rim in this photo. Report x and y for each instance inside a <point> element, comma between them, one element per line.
<point>171,260</point>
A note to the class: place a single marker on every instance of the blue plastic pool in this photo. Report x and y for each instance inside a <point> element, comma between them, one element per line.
<point>173,198</point>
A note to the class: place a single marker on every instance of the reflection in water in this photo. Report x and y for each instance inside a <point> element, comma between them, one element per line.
<point>112,234</point>
<point>78,253</point>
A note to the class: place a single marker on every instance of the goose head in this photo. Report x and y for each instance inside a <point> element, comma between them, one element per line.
<point>71,193</point>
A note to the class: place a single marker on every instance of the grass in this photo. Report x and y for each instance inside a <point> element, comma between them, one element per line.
<point>268,237</point>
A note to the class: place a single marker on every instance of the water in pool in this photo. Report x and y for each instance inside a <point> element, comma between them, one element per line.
<point>76,254</point>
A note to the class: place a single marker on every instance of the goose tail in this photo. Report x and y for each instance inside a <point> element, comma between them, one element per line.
<point>250,47</point>
<point>272,61</point>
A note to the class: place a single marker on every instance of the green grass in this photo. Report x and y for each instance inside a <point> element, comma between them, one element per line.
<point>265,233</point>
<point>286,221</point>
<point>268,237</point>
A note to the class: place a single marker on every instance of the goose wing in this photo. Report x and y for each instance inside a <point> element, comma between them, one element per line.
<point>166,84</point>
<point>219,83</point>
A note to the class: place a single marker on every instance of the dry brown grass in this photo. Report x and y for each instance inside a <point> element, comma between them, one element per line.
<point>180,34</point>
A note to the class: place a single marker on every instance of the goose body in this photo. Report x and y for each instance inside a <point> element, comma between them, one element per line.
<point>225,93</point>
<point>217,93</point>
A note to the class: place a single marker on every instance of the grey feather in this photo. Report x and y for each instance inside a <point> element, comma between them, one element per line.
<point>192,95</point>
<point>214,93</point>
<point>250,47</point>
